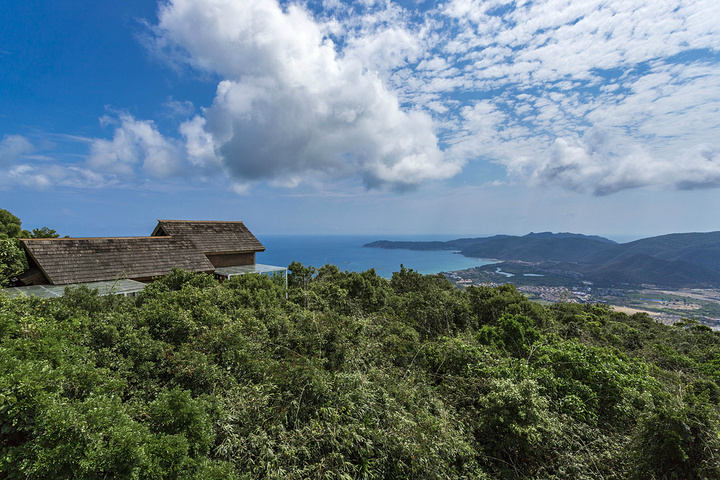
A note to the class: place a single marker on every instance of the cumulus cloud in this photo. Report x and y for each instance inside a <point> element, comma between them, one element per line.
<point>290,106</point>
<point>594,96</point>
<point>200,145</point>
<point>135,152</point>
<point>591,164</point>
<point>135,143</point>
<point>700,168</point>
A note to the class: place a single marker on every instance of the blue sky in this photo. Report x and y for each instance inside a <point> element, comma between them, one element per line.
<point>468,117</point>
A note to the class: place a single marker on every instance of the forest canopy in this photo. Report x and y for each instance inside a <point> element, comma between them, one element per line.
<point>12,258</point>
<point>350,375</point>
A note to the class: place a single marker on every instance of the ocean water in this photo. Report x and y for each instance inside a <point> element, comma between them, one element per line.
<point>347,252</point>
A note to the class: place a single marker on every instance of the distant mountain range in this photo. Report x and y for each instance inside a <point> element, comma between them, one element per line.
<point>675,260</point>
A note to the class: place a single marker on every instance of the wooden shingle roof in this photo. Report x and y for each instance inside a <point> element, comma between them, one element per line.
<point>212,236</point>
<point>81,260</point>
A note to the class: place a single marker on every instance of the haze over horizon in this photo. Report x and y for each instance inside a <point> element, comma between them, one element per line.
<point>599,117</point>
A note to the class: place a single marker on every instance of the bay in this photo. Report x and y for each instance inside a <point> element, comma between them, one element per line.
<point>348,253</point>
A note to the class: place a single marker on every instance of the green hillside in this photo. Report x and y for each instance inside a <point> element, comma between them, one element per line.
<point>536,249</point>
<point>350,376</point>
<point>644,269</point>
<point>677,260</point>
<point>702,249</point>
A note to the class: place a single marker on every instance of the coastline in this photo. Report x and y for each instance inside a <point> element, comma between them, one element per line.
<point>347,252</point>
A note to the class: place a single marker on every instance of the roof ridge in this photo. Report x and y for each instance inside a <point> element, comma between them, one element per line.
<point>95,238</point>
<point>202,221</point>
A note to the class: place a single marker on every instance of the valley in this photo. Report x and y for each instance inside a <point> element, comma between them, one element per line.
<point>669,277</point>
<point>548,284</point>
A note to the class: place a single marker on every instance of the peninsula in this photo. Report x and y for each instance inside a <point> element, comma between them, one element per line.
<point>670,276</point>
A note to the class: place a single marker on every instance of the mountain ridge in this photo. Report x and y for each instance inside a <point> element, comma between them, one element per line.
<point>677,259</point>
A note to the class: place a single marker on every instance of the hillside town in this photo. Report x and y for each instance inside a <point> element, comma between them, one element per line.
<point>665,306</point>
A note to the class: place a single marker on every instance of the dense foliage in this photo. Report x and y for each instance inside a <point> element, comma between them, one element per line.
<point>12,258</point>
<point>349,375</point>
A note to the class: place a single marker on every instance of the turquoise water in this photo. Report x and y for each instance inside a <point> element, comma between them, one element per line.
<point>347,252</point>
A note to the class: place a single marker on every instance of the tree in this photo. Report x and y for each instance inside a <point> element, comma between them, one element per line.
<point>300,275</point>
<point>12,260</point>
<point>10,225</point>
<point>12,257</point>
<point>351,376</point>
<point>679,440</point>
<point>43,232</point>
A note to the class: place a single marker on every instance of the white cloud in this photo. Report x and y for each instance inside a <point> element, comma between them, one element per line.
<point>569,37</point>
<point>21,168</point>
<point>291,107</point>
<point>177,108</point>
<point>14,147</point>
<point>49,176</point>
<point>592,163</point>
<point>136,153</point>
<point>384,50</point>
<point>699,168</point>
<point>591,95</point>
<point>26,176</point>
<point>135,143</point>
<point>200,145</point>
<point>554,73</point>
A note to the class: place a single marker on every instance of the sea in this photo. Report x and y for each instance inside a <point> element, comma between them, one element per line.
<point>348,253</point>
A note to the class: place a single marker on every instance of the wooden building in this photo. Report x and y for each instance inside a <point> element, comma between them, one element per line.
<point>225,244</point>
<point>62,261</point>
<point>223,248</point>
